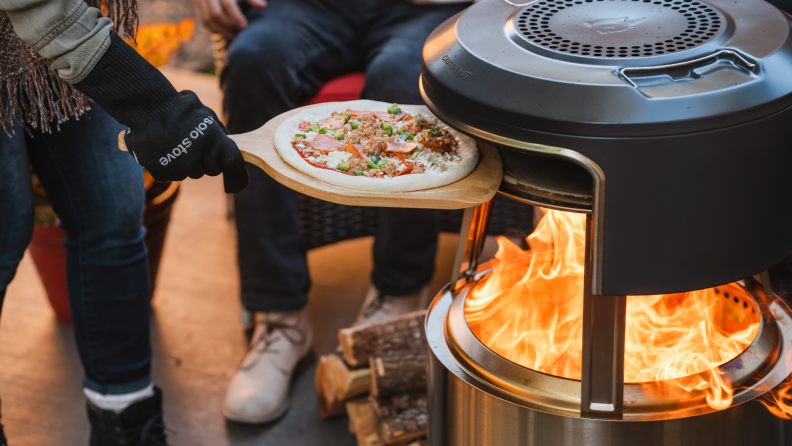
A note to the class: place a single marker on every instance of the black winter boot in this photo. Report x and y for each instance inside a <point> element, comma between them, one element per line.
<point>138,425</point>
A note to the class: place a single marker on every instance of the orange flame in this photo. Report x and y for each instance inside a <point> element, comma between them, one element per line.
<point>779,400</point>
<point>158,41</point>
<point>530,311</point>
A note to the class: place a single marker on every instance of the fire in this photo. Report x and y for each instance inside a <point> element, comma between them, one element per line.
<point>530,311</point>
<point>158,41</point>
<point>779,400</point>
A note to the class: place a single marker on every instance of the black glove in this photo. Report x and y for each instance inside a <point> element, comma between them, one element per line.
<point>171,134</point>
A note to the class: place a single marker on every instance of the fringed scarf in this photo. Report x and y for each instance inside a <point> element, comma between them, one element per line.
<point>31,93</point>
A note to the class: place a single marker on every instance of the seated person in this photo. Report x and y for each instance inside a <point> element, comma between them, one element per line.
<point>283,51</point>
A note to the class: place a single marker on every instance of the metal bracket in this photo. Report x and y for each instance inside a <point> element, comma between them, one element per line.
<point>604,322</point>
<point>472,235</point>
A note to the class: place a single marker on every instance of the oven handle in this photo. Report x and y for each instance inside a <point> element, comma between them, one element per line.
<point>731,55</point>
<point>518,4</point>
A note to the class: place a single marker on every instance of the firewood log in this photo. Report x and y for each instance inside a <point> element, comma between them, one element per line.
<point>402,418</point>
<point>328,405</point>
<point>398,372</point>
<point>402,333</point>
<point>363,422</point>
<point>336,383</point>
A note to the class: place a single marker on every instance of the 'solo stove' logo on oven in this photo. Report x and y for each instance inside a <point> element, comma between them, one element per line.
<point>612,26</point>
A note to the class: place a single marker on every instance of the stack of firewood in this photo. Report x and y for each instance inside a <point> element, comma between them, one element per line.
<point>378,378</point>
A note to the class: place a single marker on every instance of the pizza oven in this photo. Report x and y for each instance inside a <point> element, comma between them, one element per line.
<point>656,136</point>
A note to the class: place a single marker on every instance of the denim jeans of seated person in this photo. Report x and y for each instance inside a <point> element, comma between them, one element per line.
<point>97,192</point>
<point>284,56</point>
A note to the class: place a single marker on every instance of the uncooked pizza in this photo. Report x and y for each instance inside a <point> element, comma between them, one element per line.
<point>375,146</point>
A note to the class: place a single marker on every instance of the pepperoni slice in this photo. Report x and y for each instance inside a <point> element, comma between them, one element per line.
<point>401,147</point>
<point>304,126</point>
<point>325,143</point>
<point>332,123</point>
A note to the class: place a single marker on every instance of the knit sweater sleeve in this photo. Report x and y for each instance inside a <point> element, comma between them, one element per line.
<point>71,34</point>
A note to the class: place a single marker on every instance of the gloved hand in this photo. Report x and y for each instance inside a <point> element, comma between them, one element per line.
<point>171,134</point>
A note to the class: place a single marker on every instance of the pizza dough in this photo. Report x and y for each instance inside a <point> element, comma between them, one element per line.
<point>466,150</point>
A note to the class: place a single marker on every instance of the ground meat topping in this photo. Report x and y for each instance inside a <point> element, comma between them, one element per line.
<point>374,146</point>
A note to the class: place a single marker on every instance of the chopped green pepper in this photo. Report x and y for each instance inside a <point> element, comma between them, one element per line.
<point>343,167</point>
<point>357,172</point>
<point>435,132</point>
<point>339,136</point>
<point>372,165</point>
<point>346,117</point>
<point>394,109</point>
<point>387,128</point>
<point>414,154</point>
<point>404,136</point>
<point>355,124</point>
<point>314,128</point>
<point>324,130</point>
<point>375,158</point>
<point>299,135</point>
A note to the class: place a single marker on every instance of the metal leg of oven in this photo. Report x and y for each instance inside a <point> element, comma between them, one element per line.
<point>471,241</point>
<point>604,319</point>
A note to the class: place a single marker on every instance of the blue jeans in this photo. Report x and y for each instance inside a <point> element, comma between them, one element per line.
<point>284,56</point>
<point>97,192</point>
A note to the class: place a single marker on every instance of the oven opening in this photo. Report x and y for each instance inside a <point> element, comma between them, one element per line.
<point>551,181</point>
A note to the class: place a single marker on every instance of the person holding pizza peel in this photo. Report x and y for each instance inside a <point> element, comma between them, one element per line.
<point>282,52</point>
<point>54,54</point>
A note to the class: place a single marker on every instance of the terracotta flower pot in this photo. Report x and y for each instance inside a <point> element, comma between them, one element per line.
<point>49,253</point>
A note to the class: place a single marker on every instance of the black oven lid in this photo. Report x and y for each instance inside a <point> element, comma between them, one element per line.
<point>610,68</point>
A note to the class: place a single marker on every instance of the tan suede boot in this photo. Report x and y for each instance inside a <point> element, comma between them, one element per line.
<point>378,307</point>
<point>259,391</point>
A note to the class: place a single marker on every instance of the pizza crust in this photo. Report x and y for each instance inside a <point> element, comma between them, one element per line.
<point>466,150</point>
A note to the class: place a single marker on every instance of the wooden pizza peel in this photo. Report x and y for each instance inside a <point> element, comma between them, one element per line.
<point>258,148</point>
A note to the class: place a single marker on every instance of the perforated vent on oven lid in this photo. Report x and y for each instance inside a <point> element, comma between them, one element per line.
<point>619,28</point>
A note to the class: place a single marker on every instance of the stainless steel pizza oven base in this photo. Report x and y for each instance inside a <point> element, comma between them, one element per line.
<point>469,409</point>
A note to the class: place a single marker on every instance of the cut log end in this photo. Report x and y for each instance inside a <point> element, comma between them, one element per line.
<point>363,422</point>
<point>405,332</point>
<point>336,384</point>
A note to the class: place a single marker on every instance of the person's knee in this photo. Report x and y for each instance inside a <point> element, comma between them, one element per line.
<point>254,59</point>
<point>115,221</point>
<point>394,78</point>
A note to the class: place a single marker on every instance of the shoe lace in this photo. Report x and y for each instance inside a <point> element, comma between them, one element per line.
<point>151,434</point>
<point>264,340</point>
